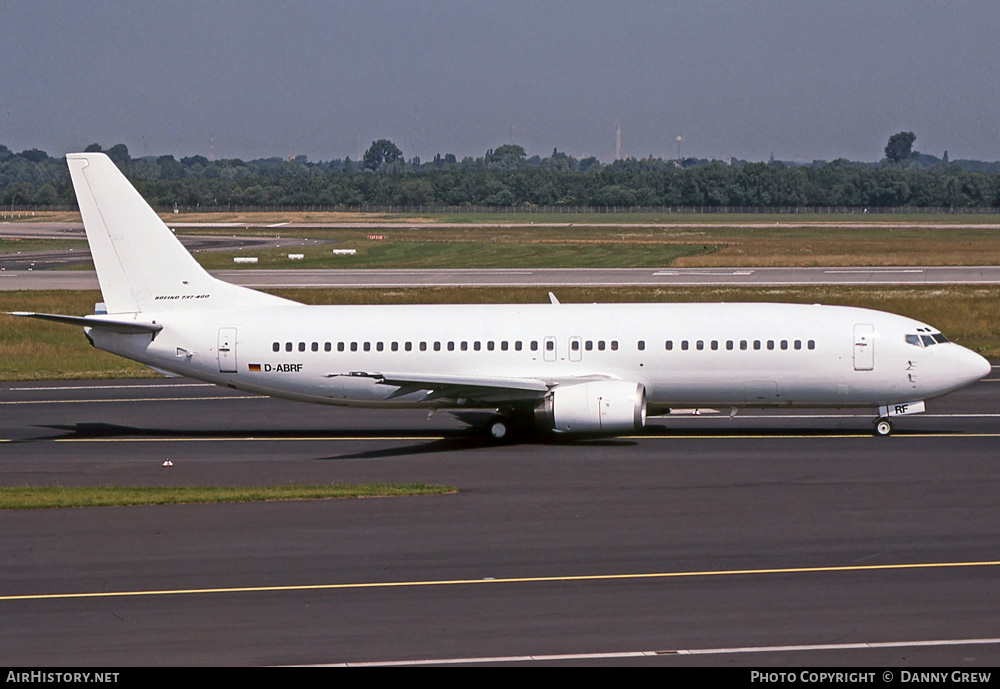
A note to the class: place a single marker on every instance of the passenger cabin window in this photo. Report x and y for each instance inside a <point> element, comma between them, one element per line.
<point>276,347</point>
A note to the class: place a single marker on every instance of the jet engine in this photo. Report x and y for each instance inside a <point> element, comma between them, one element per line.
<point>604,406</point>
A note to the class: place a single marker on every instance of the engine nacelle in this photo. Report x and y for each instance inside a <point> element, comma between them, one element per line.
<point>604,406</point>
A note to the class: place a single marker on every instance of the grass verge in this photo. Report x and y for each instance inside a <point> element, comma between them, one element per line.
<point>42,497</point>
<point>31,349</point>
<point>465,254</point>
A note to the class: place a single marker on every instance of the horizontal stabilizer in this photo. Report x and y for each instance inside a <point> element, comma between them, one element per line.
<point>115,326</point>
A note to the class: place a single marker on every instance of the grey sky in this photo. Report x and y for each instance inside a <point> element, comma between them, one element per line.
<point>796,78</point>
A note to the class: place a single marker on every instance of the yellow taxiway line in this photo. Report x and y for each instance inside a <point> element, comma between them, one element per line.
<point>507,580</point>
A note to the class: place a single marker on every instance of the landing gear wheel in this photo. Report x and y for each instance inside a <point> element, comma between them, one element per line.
<point>883,427</point>
<point>499,428</point>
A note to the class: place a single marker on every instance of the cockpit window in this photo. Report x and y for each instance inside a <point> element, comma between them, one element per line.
<point>926,340</point>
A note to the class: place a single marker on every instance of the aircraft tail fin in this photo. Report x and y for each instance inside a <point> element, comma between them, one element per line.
<point>140,263</point>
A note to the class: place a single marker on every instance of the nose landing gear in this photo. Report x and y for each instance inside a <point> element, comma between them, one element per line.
<point>883,427</point>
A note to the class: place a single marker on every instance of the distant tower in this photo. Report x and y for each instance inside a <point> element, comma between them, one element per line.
<point>618,141</point>
<point>512,139</point>
<point>679,140</point>
<point>211,147</point>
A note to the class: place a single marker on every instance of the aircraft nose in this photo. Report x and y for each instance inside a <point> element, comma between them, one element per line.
<point>970,366</point>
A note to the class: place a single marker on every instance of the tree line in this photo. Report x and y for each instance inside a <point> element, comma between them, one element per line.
<point>507,176</point>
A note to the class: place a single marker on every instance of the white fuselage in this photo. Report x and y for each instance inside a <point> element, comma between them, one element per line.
<point>683,354</point>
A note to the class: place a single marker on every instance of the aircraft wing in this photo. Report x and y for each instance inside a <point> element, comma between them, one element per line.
<point>480,388</point>
<point>485,389</point>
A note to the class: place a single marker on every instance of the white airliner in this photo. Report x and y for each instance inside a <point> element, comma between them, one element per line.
<point>573,368</point>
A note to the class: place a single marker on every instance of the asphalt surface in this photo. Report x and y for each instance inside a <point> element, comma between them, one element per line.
<point>39,279</point>
<point>771,539</point>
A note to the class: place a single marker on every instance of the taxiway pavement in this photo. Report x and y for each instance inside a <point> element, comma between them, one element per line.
<point>546,277</point>
<point>774,538</point>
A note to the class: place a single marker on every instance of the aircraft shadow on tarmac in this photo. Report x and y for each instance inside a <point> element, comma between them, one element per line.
<point>419,442</point>
<point>422,441</point>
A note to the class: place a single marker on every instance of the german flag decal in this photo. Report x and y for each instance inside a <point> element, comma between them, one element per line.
<point>255,367</point>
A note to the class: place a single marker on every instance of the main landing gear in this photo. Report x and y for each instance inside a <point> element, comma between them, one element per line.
<point>509,424</point>
<point>883,427</point>
<point>499,428</point>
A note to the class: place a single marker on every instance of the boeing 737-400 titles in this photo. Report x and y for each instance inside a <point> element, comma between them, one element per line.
<point>571,368</point>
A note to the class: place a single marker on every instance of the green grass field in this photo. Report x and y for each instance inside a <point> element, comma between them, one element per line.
<point>43,497</point>
<point>463,254</point>
<point>14,246</point>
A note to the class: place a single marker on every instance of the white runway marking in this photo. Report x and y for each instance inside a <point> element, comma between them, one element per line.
<point>675,273</point>
<point>119,387</point>
<point>863,271</point>
<point>861,646</point>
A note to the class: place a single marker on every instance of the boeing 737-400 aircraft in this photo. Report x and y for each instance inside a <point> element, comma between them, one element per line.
<point>572,368</point>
